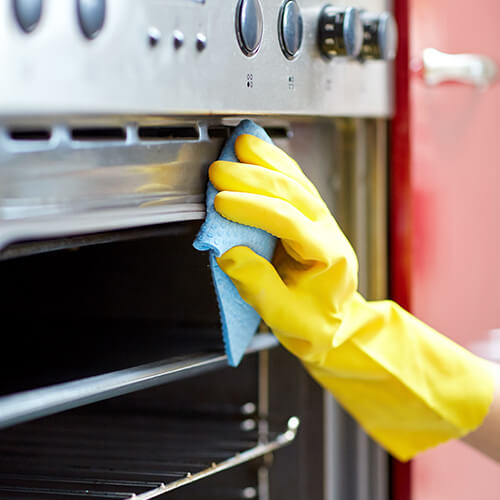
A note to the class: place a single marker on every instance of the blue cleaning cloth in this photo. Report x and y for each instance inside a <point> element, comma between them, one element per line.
<point>217,235</point>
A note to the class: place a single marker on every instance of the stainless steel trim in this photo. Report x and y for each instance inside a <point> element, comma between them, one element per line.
<point>63,225</point>
<point>85,179</point>
<point>360,205</point>
<point>33,247</point>
<point>29,405</point>
<point>56,70</point>
<point>331,472</point>
<point>261,449</point>
<point>263,414</point>
<point>364,488</point>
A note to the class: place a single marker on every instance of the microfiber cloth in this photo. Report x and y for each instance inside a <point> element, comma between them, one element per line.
<point>217,235</point>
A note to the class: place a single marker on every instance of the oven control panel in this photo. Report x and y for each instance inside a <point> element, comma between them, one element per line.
<point>193,57</point>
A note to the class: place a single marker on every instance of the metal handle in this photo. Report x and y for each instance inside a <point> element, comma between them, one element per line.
<point>472,69</point>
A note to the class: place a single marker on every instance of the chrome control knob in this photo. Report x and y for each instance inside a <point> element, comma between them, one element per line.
<point>340,32</point>
<point>380,38</point>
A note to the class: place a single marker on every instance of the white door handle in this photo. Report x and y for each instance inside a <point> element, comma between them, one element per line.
<point>473,69</point>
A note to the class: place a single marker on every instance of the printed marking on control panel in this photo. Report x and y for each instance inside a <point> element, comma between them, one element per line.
<point>291,82</point>
<point>250,80</point>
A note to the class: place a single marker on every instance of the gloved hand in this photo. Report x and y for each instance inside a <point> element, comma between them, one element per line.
<point>407,385</point>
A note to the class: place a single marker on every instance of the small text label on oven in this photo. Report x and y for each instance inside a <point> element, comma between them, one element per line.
<point>250,80</point>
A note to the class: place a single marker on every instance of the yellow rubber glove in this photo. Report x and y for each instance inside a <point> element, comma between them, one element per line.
<point>406,384</point>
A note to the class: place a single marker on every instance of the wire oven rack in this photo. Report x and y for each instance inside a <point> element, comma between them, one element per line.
<point>130,457</point>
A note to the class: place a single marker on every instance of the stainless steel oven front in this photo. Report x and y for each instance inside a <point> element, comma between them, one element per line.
<point>114,382</point>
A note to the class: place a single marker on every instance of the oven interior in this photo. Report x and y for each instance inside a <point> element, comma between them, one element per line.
<point>141,298</point>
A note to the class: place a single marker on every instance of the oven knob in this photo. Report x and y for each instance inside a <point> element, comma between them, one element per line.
<point>380,38</point>
<point>249,25</point>
<point>290,28</point>
<point>340,32</point>
<point>91,16</point>
<point>28,13</point>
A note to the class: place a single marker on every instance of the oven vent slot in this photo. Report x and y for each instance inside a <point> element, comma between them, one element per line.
<point>98,134</point>
<point>29,134</point>
<point>162,133</point>
<point>220,132</point>
<point>279,132</point>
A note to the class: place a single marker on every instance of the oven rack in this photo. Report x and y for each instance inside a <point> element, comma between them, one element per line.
<point>129,456</point>
<point>28,405</point>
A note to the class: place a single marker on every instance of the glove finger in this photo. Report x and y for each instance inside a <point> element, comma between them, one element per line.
<point>257,282</point>
<point>275,216</point>
<point>251,149</point>
<point>260,285</point>
<point>229,176</point>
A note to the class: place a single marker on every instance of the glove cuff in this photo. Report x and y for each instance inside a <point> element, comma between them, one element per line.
<point>410,387</point>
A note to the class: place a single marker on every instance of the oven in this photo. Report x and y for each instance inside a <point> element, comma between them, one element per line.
<point>114,380</point>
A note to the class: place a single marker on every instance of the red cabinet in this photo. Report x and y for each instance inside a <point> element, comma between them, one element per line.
<point>446,211</point>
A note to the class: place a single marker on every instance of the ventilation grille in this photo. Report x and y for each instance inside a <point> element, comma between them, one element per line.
<point>31,138</point>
